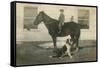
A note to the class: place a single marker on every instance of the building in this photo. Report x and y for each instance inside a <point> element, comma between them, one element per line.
<point>27,13</point>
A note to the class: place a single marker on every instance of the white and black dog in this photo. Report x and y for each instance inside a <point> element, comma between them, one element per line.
<point>66,49</point>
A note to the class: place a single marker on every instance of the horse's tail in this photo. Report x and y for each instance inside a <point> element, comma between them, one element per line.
<point>78,31</point>
<point>77,37</point>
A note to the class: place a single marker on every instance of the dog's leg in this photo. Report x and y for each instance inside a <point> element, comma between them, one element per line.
<point>69,51</point>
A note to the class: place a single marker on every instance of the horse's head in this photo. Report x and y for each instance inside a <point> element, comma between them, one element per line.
<point>39,18</point>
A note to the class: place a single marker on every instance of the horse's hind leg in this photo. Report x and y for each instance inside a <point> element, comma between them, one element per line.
<point>73,41</point>
<point>77,41</point>
<point>77,45</point>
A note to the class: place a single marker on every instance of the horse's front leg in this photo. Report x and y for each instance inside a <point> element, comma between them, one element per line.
<point>54,43</point>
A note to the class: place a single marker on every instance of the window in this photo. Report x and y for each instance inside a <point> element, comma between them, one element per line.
<point>30,14</point>
<point>83,18</point>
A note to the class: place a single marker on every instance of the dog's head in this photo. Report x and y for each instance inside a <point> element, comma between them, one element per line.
<point>69,40</point>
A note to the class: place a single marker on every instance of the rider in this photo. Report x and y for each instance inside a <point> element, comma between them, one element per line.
<point>61,19</point>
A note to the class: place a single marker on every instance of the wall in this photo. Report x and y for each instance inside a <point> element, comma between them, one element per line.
<point>41,34</point>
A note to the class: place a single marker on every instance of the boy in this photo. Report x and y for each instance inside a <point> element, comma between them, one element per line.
<point>61,19</point>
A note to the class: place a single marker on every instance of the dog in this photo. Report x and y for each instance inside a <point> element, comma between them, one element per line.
<point>66,49</point>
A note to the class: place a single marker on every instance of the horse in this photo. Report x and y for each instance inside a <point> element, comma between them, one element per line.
<point>69,28</point>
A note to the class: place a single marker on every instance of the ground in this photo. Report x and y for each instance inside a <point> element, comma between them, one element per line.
<point>30,53</point>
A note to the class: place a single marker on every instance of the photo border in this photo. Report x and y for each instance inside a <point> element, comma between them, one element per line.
<point>13,32</point>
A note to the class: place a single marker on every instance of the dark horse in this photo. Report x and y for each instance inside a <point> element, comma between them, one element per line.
<point>69,28</point>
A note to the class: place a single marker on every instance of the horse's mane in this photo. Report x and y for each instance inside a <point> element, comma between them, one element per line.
<point>48,16</point>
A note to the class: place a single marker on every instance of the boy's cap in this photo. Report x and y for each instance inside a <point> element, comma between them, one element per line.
<point>62,10</point>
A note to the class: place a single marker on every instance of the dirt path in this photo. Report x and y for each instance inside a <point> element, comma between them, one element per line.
<point>31,54</point>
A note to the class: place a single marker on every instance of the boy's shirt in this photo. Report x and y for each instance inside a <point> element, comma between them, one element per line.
<point>61,18</point>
